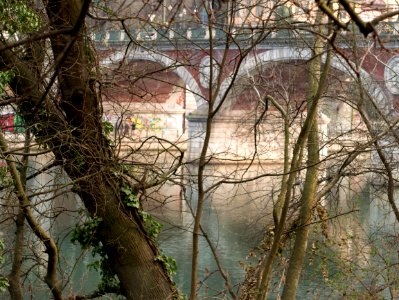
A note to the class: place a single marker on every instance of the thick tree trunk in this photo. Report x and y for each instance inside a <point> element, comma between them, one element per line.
<point>77,141</point>
<point>125,242</point>
<point>129,250</point>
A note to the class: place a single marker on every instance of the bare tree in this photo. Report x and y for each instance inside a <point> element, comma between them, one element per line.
<point>116,120</point>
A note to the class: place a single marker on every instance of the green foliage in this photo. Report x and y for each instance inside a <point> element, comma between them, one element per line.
<point>103,6</point>
<point>130,198</point>
<point>5,78</point>
<point>109,284</point>
<point>3,284</point>
<point>79,161</point>
<point>153,227</point>
<point>169,263</point>
<point>179,296</point>
<point>108,128</point>
<point>5,177</point>
<point>18,17</point>
<point>109,281</point>
<point>86,235</point>
<point>3,281</point>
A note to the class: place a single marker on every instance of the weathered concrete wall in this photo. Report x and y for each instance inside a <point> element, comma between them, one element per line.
<point>238,140</point>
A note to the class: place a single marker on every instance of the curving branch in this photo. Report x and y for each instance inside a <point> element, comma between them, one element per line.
<point>51,278</point>
<point>327,11</point>
<point>365,27</point>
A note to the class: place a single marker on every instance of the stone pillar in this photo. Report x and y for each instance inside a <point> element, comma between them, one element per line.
<point>196,133</point>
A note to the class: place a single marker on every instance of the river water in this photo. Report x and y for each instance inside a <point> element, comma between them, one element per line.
<point>354,257</point>
<point>357,255</point>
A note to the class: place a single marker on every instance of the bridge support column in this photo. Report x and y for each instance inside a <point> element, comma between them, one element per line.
<point>196,133</point>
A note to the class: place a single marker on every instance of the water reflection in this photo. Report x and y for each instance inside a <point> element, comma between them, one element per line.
<point>351,259</point>
<point>357,256</point>
<point>234,218</point>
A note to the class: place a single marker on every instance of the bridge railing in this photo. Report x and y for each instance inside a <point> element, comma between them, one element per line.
<point>388,30</point>
<point>198,34</point>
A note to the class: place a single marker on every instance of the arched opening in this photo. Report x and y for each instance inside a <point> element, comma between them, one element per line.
<point>168,63</point>
<point>250,125</point>
<point>258,61</point>
<point>144,98</point>
<point>286,83</point>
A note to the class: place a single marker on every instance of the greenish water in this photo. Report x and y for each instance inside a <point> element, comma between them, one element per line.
<point>348,262</point>
<point>358,255</point>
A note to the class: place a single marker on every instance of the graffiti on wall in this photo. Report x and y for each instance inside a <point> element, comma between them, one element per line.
<point>11,123</point>
<point>130,125</point>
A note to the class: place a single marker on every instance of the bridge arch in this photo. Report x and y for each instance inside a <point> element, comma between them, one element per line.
<point>289,53</point>
<point>164,60</point>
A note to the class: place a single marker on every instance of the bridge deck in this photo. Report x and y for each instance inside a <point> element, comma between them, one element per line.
<point>199,36</point>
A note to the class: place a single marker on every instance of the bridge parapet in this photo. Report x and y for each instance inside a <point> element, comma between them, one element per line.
<point>173,37</point>
<point>199,35</point>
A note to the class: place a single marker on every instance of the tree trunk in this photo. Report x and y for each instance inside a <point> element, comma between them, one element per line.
<point>316,84</point>
<point>129,250</point>
<point>77,141</point>
<point>307,204</point>
<point>15,287</point>
<point>14,278</point>
<point>266,265</point>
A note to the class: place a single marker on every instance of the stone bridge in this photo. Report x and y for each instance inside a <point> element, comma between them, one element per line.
<point>163,81</point>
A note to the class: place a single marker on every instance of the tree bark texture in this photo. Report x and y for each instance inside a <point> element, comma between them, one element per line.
<point>307,198</point>
<point>14,278</point>
<point>15,287</point>
<point>317,82</point>
<point>267,264</point>
<point>71,126</point>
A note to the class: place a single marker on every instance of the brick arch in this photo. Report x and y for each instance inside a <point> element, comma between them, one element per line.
<point>164,60</point>
<point>287,53</point>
